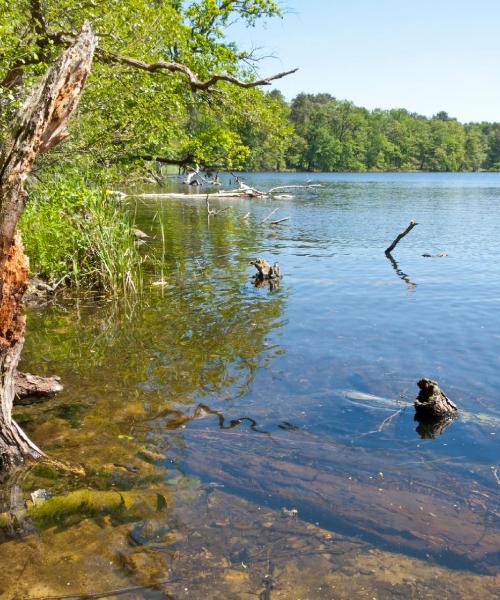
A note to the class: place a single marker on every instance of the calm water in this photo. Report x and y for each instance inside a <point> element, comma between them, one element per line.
<point>267,437</point>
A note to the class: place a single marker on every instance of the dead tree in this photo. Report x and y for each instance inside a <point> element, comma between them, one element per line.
<point>38,127</point>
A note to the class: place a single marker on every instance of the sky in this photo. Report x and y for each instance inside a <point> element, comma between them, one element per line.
<point>424,56</point>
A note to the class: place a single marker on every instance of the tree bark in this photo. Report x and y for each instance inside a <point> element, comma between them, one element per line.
<point>38,127</point>
<point>432,402</point>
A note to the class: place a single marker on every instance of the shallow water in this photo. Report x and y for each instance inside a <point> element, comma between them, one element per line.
<point>266,438</point>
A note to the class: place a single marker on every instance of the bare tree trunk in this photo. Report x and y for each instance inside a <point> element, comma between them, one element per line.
<point>38,127</point>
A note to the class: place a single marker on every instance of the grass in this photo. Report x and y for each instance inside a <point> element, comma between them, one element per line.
<point>77,233</point>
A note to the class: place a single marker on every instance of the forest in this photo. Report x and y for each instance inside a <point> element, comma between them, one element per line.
<point>336,135</point>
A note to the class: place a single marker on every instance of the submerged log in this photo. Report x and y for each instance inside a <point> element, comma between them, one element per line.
<point>432,403</point>
<point>414,514</point>
<point>39,126</point>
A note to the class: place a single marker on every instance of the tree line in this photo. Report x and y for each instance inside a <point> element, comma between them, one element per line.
<point>327,134</point>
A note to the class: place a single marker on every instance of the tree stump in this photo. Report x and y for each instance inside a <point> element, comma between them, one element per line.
<point>432,403</point>
<point>265,271</point>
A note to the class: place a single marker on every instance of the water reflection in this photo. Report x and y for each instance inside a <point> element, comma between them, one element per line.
<point>401,274</point>
<point>429,430</point>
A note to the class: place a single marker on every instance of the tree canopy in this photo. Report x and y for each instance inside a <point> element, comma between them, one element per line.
<point>166,81</point>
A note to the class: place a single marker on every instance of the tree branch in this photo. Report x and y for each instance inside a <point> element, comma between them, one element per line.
<point>401,236</point>
<point>193,80</point>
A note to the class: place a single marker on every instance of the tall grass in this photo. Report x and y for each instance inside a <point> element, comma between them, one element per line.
<point>77,233</point>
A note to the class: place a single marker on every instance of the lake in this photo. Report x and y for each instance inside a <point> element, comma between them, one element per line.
<point>262,442</point>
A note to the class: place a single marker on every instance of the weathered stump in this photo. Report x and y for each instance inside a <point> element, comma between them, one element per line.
<point>432,403</point>
<point>265,270</point>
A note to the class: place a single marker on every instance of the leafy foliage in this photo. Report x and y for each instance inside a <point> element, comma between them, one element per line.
<point>127,113</point>
<point>338,136</point>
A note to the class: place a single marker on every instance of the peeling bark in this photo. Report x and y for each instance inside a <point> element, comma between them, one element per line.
<point>38,127</point>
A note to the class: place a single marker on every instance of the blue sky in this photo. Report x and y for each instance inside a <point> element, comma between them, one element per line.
<point>425,56</point>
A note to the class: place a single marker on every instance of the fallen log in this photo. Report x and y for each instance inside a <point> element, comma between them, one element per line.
<point>30,388</point>
<point>244,192</point>
<point>348,496</point>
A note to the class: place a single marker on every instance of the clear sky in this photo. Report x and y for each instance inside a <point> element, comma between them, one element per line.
<point>425,56</point>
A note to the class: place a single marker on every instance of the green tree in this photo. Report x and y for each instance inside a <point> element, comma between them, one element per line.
<point>161,67</point>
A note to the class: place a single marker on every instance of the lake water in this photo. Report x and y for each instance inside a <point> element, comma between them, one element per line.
<point>262,442</point>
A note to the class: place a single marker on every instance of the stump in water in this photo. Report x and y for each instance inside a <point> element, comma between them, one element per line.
<point>432,404</point>
<point>265,271</point>
<point>267,276</point>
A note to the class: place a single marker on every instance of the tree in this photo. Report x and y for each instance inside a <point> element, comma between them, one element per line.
<point>40,125</point>
<point>137,104</point>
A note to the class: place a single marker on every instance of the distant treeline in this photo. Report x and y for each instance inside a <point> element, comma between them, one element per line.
<point>335,135</point>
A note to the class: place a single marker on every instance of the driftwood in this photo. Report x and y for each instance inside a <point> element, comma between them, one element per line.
<point>39,126</point>
<point>30,387</point>
<point>212,212</point>
<point>277,222</point>
<point>280,221</point>
<point>243,192</point>
<point>432,403</point>
<point>401,236</point>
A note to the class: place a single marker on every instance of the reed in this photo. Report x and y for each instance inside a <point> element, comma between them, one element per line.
<point>76,232</point>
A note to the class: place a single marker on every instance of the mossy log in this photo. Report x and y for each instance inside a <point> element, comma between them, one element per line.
<point>43,511</point>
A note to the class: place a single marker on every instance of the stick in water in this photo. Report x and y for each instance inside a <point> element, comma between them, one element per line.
<point>401,236</point>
